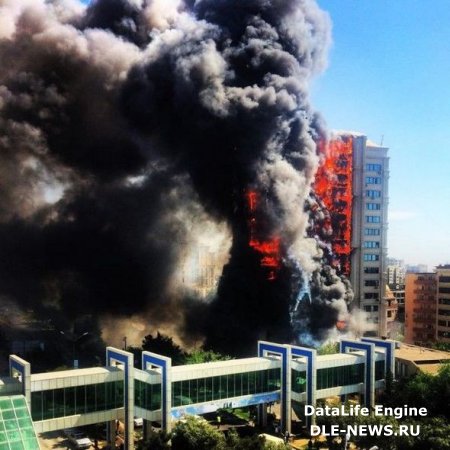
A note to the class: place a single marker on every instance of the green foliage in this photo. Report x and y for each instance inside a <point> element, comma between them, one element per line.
<point>444,346</point>
<point>198,356</point>
<point>156,441</point>
<point>384,442</point>
<point>328,349</point>
<point>164,345</point>
<point>195,434</point>
<point>424,390</point>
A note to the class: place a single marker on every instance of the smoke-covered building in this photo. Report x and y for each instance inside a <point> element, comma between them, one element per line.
<point>443,306</point>
<point>353,183</point>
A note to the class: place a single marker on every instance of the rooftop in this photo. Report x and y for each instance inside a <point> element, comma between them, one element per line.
<point>425,359</point>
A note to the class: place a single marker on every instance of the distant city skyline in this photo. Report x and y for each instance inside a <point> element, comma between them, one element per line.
<point>388,78</point>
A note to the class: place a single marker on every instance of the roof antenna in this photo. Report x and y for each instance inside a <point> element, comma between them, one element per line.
<point>382,139</point>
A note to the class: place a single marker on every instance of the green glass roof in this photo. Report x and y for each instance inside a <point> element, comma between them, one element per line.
<point>16,427</point>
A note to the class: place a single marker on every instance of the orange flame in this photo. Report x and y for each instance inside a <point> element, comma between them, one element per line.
<point>333,186</point>
<point>269,248</point>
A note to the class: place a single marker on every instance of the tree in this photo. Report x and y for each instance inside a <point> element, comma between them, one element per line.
<point>164,345</point>
<point>199,355</point>
<point>329,348</point>
<point>195,434</point>
<point>156,441</point>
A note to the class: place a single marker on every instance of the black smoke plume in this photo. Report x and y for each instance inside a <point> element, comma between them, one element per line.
<point>128,123</point>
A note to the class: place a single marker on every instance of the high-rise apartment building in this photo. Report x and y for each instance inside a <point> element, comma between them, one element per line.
<point>420,307</point>
<point>443,303</point>
<point>353,184</point>
<point>369,225</point>
<point>395,275</point>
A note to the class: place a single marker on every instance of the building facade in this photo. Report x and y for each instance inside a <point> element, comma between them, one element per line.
<point>443,304</point>
<point>420,307</point>
<point>352,183</point>
<point>369,227</point>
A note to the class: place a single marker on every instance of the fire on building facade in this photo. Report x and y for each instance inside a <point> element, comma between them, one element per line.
<point>352,182</point>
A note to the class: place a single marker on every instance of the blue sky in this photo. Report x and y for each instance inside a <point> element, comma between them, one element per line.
<point>389,75</point>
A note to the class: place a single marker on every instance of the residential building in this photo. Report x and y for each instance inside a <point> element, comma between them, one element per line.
<point>395,274</point>
<point>420,307</point>
<point>388,315</point>
<point>369,227</point>
<point>352,183</point>
<point>443,304</point>
<point>417,268</point>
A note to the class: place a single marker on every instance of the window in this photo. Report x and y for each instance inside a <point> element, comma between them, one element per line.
<point>371,283</point>
<point>373,180</point>
<point>370,193</point>
<point>372,231</point>
<point>444,290</point>
<point>373,168</point>
<point>444,301</point>
<point>371,270</point>
<point>371,296</point>
<point>200,390</point>
<point>340,376</point>
<point>373,206</point>
<point>443,279</point>
<point>379,370</point>
<point>298,381</point>
<point>375,308</point>
<point>53,403</point>
<point>371,244</point>
<point>371,257</point>
<point>443,312</point>
<point>367,308</point>
<point>373,219</point>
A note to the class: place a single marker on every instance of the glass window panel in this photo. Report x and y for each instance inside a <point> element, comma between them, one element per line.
<point>201,388</point>
<point>80,400</point>
<point>47,404</point>
<point>223,386</point>
<point>5,404</point>
<point>25,423</point>
<point>237,384</point>
<point>8,414</point>
<point>208,389</point>
<point>58,401</point>
<point>138,393</point>
<point>193,390</point>
<point>230,382</point>
<point>101,397</point>
<point>156,396</point>
<point>118,394</point>
<point>90,397</point>
<point>176,393</point>
<point>251,382</point>
<point>18,403</point>
<point>245,377</point>
<point>16,445</point>
<point>36,405</point>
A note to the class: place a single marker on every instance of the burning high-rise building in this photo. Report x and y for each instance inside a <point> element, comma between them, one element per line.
<point>352,182</point>
<point>130,128</point>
